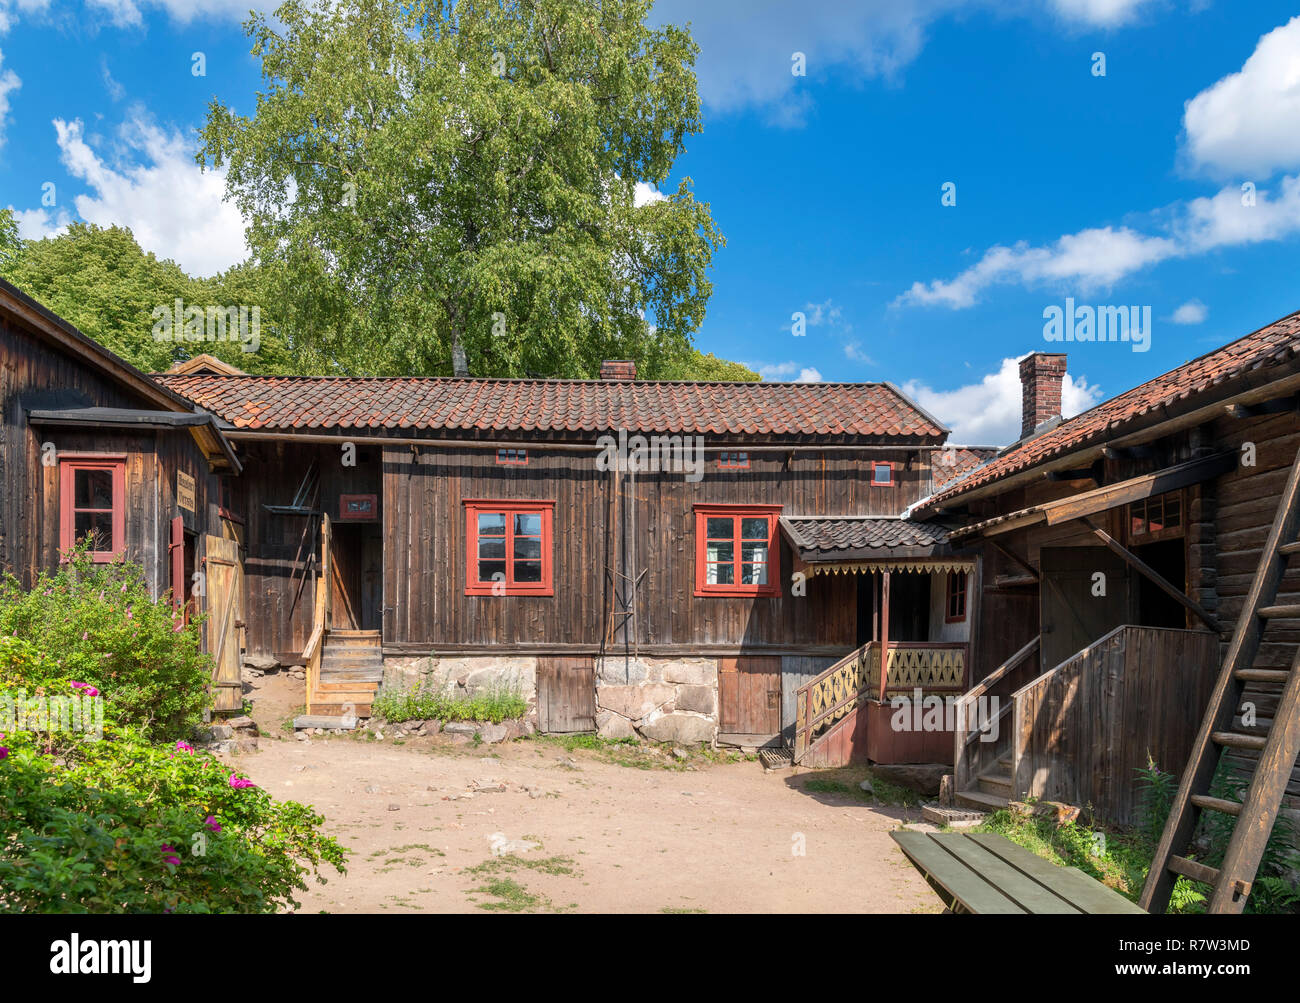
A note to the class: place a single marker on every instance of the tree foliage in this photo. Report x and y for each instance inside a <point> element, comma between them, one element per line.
<point>433,178</point>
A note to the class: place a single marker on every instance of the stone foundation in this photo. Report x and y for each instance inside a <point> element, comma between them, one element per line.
<point>456,675</point>
<point>659,699</point>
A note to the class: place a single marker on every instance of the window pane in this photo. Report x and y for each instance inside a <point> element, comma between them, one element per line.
<point>491,524</point>
<point>721,552</point>
<point>751,552</point>
<point>528,571</point>
<point>99,526</point>
<point>882,473</point>
<point>93,489</point>
<point>721,574</point>
<point>753,529</point>
<point>492,548</point>
<point>753,574</point>
<point>489,570</point>
<point>721,528</point>
<point>529,547</point>
<point>528,523</point>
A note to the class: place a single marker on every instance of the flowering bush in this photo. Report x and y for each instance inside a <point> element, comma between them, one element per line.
<point>122,825</point>
<point>98,626</point>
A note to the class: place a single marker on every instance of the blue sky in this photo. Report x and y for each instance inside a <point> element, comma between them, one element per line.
<point>1122,189</point>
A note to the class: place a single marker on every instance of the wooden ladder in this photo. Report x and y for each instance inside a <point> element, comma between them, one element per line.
<point>1255,815</point>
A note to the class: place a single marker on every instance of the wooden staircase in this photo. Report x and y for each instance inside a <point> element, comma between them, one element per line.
<point>1277,747</point>
<point>351,668</point>
<point>992,790</point>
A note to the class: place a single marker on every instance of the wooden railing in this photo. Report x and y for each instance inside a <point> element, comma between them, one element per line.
<point>1080,731</point>
<point>855,678</point>
<point>985,706</point>
<point>320,615</point>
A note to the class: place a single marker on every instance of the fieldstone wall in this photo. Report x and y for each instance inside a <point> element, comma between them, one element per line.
<point>468,675</point>
<point>660,699</point>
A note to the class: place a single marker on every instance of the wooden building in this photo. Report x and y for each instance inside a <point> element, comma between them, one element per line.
<point>90,446</point>
<point>1116,550</point>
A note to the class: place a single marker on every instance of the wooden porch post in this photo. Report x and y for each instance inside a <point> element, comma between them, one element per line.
<point>884,633</point>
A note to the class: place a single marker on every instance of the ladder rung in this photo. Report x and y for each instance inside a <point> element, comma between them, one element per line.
<point>1280,612</point>
<point>1232,740</point>
<point>1263,675</point>
<point>1216,804</point>
<point>1287,549</point>
<point>1191,869</point>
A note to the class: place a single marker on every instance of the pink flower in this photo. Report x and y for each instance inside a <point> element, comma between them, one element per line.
<point>169,855</point>
<point>183,745</point>
<point>212,823</point>
<point>3,751</point>
<point>240,782</point>
<point>89,690</point>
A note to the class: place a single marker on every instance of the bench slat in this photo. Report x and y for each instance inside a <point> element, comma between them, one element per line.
<point>1085,893</point>
<point>941,867</point>
<point>1026,891</point>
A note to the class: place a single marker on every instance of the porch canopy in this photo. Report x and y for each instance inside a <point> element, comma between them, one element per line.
<point>848,544</point>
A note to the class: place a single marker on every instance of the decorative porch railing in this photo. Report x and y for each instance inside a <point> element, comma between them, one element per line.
<point>829,697</point>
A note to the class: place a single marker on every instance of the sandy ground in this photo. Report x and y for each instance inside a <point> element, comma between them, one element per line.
<point>722,837</point>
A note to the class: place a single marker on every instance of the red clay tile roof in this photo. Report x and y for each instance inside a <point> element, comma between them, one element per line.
<point>1272,345</point>
<point>440,403</point>
<point>952,462</point>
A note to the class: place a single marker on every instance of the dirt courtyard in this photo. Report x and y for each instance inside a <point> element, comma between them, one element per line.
<point>432,827</point>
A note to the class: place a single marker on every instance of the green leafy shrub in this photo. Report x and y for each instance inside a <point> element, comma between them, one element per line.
<point>495,704</point>
<point>122,825</point>
<point>98,624</point>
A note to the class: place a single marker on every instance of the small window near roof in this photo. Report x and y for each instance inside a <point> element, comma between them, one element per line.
<point>955,606</point>
<point>512,457</point>
<point>882,473</point>
<point>733,461</point>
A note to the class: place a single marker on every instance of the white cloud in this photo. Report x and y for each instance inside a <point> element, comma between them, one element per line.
<point>1248,123</point>
<point>1099,257</point>
<point>817,314</point>
<point>1191,312</point>
<point>853,350</point>
<point>989,412</point>
<point>645,194</point>
<point>174,209</point>
<point>1100,13</point>
<point>10,9</point>
<point>37,224</point>
<point>115,90</point>
<point>9,82</point>
<point>786,372</point>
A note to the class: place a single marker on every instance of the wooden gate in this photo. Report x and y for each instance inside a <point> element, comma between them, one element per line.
<point>566,694</point>
<point>225,594</point>
<point>749,699</point>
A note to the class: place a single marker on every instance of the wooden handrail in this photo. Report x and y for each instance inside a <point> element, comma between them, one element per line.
<point>982,687</point>
<point>320,615</point>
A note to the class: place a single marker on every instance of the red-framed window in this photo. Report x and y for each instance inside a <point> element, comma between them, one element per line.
<point>955,604</point>
<point>512,457</point>
<point>882,473</point>
<point>92,503</point>
<point>733,460</point>
<point>737,552</point>
<point>508,548</point>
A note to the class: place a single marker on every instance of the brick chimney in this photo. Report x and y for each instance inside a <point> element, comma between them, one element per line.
<point>618,369</point>
<point>1041,374</point>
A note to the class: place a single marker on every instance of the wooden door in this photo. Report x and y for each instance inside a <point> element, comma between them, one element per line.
<point>1073,613</point>
<point>345,578</point>
<point>566,695</point>
<point>749,696</point>
<point>224,586</point>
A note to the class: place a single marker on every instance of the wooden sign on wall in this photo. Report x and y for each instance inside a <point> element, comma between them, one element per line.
<point>185,495</point>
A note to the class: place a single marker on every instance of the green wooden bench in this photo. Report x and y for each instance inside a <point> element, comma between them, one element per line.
<point>986,873</point>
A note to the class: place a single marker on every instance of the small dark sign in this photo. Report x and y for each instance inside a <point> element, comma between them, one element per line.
<point>358,506</point>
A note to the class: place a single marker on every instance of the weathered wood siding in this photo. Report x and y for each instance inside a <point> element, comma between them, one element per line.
<point>1080,732</point>
<point>33,376</point>
<point>650,527</point>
